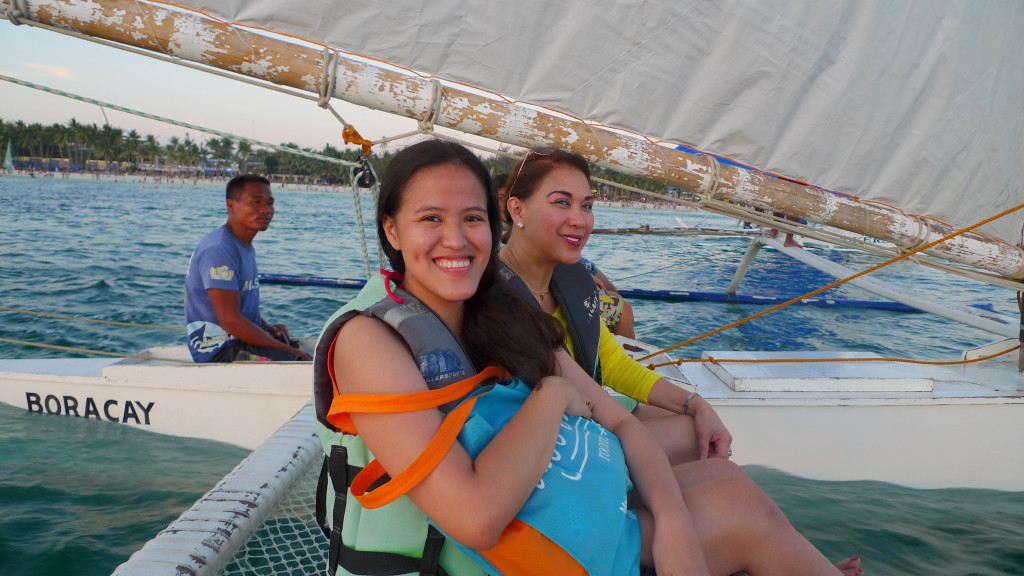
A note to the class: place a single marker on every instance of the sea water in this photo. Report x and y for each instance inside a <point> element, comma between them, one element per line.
<point>78,496</point>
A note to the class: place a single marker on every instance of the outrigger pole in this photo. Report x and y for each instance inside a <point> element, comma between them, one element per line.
<point>158,28</point>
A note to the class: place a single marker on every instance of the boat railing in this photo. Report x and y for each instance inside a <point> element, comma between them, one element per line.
<point>259,519</point>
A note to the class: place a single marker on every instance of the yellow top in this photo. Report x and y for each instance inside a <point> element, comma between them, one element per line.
<point>618,371</point>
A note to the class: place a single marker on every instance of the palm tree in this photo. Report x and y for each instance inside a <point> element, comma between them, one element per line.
<point>110,143</point>
<point>190,155</point>
<point>221,151</point>
<point>33,139</point>
<point>242,156</point>
<point>150,148</point>
<point>173,150</point>
<point>132,146</point>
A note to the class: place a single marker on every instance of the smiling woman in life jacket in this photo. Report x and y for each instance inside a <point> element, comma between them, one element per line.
<point>510,493</point>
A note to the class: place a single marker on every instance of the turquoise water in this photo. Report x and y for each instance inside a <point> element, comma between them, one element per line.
<point>78,496</point>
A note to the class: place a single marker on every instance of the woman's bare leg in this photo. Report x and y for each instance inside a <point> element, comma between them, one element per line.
<point>676,435</point>
<point>741,528</point>
<point>674,432</point>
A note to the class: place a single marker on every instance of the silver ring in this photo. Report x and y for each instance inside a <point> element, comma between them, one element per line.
<point>729,453</point>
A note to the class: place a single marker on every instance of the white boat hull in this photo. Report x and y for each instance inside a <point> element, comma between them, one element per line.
<point>241,403</point>
<point>918,426</point>
<point>963,432</point>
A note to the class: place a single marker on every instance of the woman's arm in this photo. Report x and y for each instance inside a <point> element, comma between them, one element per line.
<point>713,438</point>
<point>627,376</point>
<point>471,500</point>
<point>676,546</point>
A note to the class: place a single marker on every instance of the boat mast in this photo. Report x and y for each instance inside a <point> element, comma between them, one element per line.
<point>197,38</point>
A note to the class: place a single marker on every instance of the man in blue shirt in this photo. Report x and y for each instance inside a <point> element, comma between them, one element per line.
<point>222,288</point>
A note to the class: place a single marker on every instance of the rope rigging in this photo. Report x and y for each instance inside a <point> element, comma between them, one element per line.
<point>828,287</point>
<point>97,321</point>
<point>713,360</point>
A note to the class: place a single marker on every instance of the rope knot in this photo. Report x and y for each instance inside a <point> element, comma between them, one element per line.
<point>329,77</point>
<point>351,136</point>
<point>17,11</point>
<point>426,124</point>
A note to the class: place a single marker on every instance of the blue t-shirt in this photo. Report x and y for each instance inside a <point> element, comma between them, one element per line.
<point>223,262</point>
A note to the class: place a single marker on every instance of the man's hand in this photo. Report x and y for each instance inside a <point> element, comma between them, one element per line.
<point>279,332</point>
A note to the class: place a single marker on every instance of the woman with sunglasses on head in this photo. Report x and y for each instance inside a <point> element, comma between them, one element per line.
<point>550,209</point>
<point>438,225</point>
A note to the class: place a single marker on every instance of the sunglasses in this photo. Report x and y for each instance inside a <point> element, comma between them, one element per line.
<point>539,151</point>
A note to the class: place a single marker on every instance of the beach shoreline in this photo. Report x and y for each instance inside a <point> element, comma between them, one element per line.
<point>169,181</point>
<point>147,180</point>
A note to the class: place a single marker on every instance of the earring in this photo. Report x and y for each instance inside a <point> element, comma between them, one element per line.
<point>519,224</point>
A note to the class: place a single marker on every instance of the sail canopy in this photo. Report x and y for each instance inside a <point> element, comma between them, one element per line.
<point>915,103</point>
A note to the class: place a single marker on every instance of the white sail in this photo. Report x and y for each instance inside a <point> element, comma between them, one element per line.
<point>911,103</point>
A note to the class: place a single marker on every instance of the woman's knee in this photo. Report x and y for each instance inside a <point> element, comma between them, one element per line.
<point>728,485</point>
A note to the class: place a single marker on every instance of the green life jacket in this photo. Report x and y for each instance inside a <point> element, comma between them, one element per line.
<point>394,539</point>
<point>577,296</point>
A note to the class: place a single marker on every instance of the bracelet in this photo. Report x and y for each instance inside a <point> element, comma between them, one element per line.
<point>686,404</point>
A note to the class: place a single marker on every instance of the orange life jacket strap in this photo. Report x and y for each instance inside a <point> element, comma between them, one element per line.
<point>424,464</point>
<point>345,404</point>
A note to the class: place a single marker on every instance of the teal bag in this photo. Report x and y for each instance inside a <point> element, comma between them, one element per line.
<point>580,502</point>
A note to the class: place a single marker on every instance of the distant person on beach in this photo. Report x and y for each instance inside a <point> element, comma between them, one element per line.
<point>222,288</point>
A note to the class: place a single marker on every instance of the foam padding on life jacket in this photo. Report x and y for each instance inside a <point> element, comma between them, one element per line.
<point>399,527</point>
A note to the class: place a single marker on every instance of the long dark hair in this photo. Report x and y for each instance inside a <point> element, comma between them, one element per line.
<point>499,327</point>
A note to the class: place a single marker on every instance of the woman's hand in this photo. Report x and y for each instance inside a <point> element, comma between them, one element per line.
<point>576,402</point>
<point>713,438</point>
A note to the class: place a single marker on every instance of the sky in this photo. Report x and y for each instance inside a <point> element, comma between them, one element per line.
<point>164,89</point>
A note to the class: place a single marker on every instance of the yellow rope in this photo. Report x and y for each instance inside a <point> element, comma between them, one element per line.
<point>68,348</point>
<point>62,317</point>
<point>836,283</point>
<point>86,351</point>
